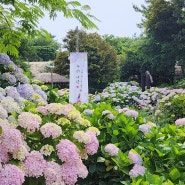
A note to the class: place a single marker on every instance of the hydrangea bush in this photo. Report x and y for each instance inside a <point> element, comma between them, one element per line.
<point>129,94</point>
<point>134,150</point>
<point>46,140</point>
<point>41,142</point>
<point>171,107</point>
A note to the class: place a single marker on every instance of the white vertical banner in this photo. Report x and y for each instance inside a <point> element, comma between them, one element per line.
<point>78,86</point>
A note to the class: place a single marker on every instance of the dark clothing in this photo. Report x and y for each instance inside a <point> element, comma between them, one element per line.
<point>143,82</point>
<point>146,80</point>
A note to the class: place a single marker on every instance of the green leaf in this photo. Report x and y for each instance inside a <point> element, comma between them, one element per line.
<point>92,168</point>
<point>168,182</point>
<point>174,174</point>
<point>100,159</point>
<point>159,152</point>
<point>109,168</point>
<point>115,132</point>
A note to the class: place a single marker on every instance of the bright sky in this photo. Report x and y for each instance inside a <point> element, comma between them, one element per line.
<point>117,18</point>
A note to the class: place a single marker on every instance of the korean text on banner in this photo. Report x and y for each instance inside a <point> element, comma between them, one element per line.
<point>78,87</point>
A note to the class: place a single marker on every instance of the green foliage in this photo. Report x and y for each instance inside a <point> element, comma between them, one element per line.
<point>130,58</point>
<point>162,152</point>
<point>171,108</point>
<point>38,49</point>
<point>180,84</point>
<point>61,64</point>
<point>131,67</point>
<point>161,48</point>
<point>161,149</point>
<point>21,19</point>
<point>120,130</point>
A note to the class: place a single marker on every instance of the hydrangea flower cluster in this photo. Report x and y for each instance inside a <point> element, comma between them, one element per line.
<point>11,74</point>
<point>12,175</point>
<point>53,174</point>
<point>3,112</point>
<point>20,89</point>
<point>9,77</point>
<point>46,150</point>
<point>72,168</point>
<point>11,139</point>
<point>137,169</point>
<point>10,105</point>
<point>92,147</point>
<point>129,112</point>
<point>29,121</point>
<point>35,140</point>
<point>145,128</point>
<point>111,149</point>
<point>180,122</point>
<point>34,164</point>
<point>51,129</point>
<point>82,136</point>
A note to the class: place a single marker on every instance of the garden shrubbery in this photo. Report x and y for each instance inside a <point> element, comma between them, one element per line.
<point>122,136</point>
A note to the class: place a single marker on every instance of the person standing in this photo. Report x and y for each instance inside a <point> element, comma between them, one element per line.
<point>148,79</point>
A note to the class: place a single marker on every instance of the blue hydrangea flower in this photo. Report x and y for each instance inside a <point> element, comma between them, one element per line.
<point>25,90</point>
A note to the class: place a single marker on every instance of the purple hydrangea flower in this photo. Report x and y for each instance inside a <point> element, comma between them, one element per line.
<point>25,90</point>
<point>9,77</point>
<point>137,170</point>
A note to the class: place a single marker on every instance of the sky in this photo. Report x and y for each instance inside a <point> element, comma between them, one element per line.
<point>116,17</point>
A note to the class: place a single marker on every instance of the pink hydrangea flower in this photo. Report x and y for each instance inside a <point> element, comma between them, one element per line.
<point>111,116</point>
<point>145,128</point>
<point>180,122</point>
<point>132,113</point>
<point>69,173</point>
<point>111,149</point>
<point>34,164</point>
<point>51,129</point>
<point>4,157</point>
<point>58,108</point>
<point>67,151</point>
<point>42,110</point>
<point>11,139</point>
<point>136,159</point>
<point>11,175</point>
<point>137,170</point>
<point>29,121</point>
<point>82,170</point>
<point>52,174</point>
<point>92,147</point>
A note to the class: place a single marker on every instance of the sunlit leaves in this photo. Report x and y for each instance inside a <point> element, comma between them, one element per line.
<point>22,17</point>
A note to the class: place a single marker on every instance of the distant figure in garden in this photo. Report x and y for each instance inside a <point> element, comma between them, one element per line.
<point>146,80</point>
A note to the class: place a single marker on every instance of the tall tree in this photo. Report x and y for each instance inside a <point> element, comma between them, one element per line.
<point>19,19</point>
<point>102,58</point>
<point>162,26</point>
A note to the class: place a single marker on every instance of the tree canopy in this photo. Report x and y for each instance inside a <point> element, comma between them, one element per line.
<point>19,19</point>
<point>164,24</point>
